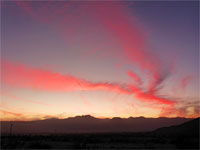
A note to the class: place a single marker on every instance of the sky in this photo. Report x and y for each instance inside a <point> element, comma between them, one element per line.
<point>106,59</point>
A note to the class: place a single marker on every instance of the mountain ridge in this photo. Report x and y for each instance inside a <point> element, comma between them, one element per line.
<point>189,128</point>
<point>88,123</point>
<point>92,117</point>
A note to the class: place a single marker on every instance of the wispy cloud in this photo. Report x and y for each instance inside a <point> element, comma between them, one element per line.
<point>10,113</point>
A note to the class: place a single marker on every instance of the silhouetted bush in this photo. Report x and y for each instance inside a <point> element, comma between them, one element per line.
<point>186,143</point>
<point>11,144</point>
<point>38,145</point>
<point>98,141</point>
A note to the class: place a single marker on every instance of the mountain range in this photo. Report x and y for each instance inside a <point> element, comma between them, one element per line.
<point>87,123</point>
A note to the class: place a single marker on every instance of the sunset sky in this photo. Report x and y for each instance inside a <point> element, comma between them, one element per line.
<point>107,59</point>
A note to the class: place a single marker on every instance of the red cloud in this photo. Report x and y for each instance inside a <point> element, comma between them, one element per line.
<point>135,77</point>
<point>133,40</point>
<point>185,81</point>
<point>27,77</point>
<point>22,76</point>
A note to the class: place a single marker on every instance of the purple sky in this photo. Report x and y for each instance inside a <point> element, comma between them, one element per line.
<point>79,41</point>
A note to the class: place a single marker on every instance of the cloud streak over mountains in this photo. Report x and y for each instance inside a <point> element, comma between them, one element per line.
<point>23,76</point>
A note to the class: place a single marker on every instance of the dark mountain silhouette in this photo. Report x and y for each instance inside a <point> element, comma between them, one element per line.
<point>88,123</point>
<point>189,128</point>
<point>185,135</point>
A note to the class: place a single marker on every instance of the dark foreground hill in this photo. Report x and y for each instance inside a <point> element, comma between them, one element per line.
<point>186,137</point>
<point>82,124</point>
<point>190,128</point>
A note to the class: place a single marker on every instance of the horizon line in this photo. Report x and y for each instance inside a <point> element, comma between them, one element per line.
<point>99,118</point>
